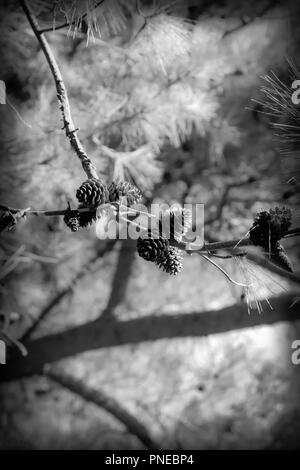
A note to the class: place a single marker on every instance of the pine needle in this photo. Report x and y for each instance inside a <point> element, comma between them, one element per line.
<point>285,115</point>
<point>162,40</point>
<point>259,281</point>
<point>223,271</point>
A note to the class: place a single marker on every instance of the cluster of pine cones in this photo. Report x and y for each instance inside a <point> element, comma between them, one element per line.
<point>156,246</point>
<point>268,228</point>
<point>92,194</point>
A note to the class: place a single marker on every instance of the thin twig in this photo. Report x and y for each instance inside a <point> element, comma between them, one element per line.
<point>223,271</point>
<point>46,213</point>
<point>293,232</point>
<point>227,245</point>
<point>105,401</point>
<point>205,248</point>
<point>245,22</point>
<point>223,200</point>
<point>68,125</point>
<point>243,254</point>
<point>87,268</point>
<point>68,24</point>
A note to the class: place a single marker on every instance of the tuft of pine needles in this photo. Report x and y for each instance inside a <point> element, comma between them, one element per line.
<point>277,103</point>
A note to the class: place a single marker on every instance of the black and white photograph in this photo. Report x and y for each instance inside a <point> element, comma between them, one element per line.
<point>149,228</point>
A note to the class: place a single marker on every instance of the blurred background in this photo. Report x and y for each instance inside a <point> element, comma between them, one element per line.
<point>120,354</point>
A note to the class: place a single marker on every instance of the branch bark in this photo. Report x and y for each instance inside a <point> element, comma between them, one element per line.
<point>62,95</point>
<point>207,249</point>
<point>121,277</point>
<point>107,332</point>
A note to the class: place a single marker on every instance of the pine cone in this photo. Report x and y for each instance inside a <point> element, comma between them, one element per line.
<point>152,249</point>
<point>75,218</point>
<point>171,262</point>
<point>71,219</point>
<point>269,227</point>
<point>87,218</point>
<point>280,258</point>
<point>120,189</point>
<point>174,223</point>
<point>92,193</point>
<point>7,221</point>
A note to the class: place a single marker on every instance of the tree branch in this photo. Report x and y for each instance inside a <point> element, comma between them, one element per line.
<point>230,244</point>
<point>108,403</point>
<point>246,22</point>
<point>46,213</point>
<point>208,249</point>
<point>265,263</point>
<point>107,332</point>
<point>64,105</point>
<point>126,258</point>
<point>85,269</point>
